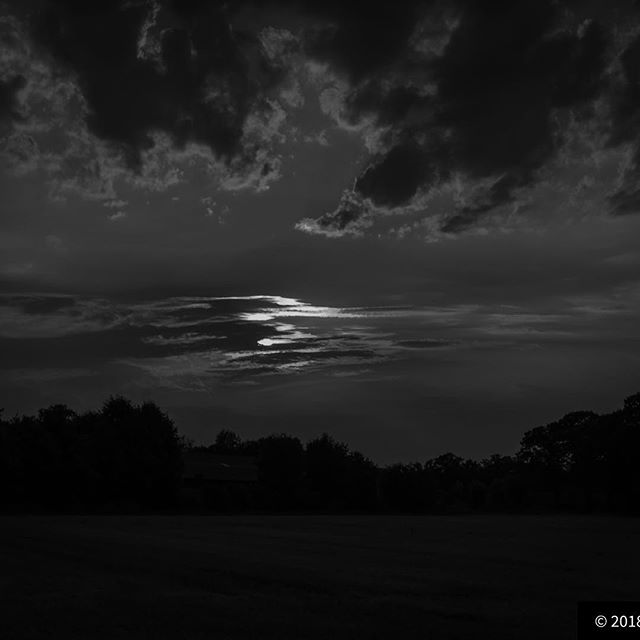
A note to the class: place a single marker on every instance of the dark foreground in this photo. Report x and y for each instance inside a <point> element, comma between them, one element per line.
<point>296,577</point>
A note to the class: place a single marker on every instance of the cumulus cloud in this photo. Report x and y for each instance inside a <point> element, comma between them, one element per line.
<point>349,219</point>
<point>492,98</point>
<point>140,94</point>
<point>465,110</point>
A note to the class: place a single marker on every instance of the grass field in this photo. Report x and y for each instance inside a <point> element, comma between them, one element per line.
<point>296,577</point>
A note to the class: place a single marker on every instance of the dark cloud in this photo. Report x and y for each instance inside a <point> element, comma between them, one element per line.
<point>348,218</point>
<point>426,344</point>
<point>626,129</point>
<point>360,37</point>
<point>397,104</point>
<point>8,90</point>
<point>625,202</point>
<point>477,98</point>
<point>37,305</point>
<point>626,126</point>
<point>397,176</point>
<point>180,69</point>
<point>502,73</point>
<point>284,357</point>
<point>442,91</point>
<point>499,193</point>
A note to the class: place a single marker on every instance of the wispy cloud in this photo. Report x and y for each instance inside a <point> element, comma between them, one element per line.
<point>197,342</point>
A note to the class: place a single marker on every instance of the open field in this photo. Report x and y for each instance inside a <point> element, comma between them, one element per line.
<point>296,577</point>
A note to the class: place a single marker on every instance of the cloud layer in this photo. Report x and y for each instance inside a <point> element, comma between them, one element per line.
<point>417,378</point>
<point>477,107</point>
<point>467,111</point>
<point>140,94</point>
<point>226,339</point>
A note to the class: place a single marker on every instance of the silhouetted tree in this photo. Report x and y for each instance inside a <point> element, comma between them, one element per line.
<point>281,468</point>
<point>621,456</point>
<point>122,454</point>
<point>326,461</point>
<point>501,476</point>
<point>338,478</point>
<point>549,453</point>
<point>127,455</point>
<point>138,452</point>
<point>405,487</point>
<point>227,442</point>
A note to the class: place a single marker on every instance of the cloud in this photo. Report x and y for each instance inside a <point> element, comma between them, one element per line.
<point>8,98</point>
<point>200,94</point>
<point>350,218</point>
<point>142,94</point>
<point>426,344</point>
<point>443,95</point>
<point>115,204</point>
<point>397,176</point>
<point>175,338</point>
<point>51,316</point>
<point>479,96</point>
<point>212,209</point>
<point>200,344</point>
<point>359,42</point>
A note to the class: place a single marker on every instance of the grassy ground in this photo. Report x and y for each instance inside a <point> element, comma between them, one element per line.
<point>297,577</point>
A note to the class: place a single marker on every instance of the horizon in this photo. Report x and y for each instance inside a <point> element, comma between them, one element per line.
<point>221,447</point>
<point>279,353</point>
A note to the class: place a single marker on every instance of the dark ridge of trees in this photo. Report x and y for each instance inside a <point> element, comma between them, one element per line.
<point>124,457</point>
<point>128,457</point>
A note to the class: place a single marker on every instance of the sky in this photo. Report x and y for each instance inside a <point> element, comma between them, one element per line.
<point>412,227</point>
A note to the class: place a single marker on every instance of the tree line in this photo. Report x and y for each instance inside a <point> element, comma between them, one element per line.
<point>130,457</point>
<point>122,456</point>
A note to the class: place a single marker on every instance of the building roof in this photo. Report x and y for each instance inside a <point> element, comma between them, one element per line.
<point>204,465</point>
